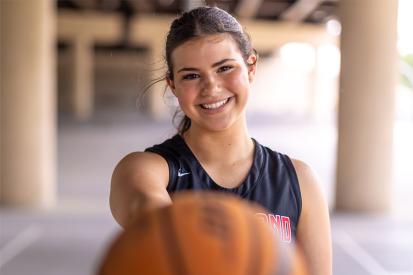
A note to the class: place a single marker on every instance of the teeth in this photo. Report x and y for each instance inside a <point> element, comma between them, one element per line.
<point>215,105</point>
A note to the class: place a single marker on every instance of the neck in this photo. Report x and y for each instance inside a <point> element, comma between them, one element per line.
<point>227,146</point>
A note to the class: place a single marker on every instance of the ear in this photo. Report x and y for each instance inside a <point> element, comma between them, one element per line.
<point>252,67</point>
<point>170,83</point>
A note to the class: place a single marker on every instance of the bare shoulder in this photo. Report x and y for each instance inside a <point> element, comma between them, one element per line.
<point>313,197</point>
<point>313,231</point>
<point>307,178</point>
<point>138,182</point>
<point>142,165</point>
<point>141,158</point>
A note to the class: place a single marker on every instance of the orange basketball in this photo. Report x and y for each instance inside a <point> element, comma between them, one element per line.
<point>201,233</point>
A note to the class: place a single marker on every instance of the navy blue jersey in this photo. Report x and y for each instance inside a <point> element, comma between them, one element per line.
<point>271,182</point>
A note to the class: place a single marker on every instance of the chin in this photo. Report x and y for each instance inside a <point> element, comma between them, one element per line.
<point>219,127</point>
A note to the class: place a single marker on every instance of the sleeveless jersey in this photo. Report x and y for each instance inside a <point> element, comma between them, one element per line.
<point>271,182</point>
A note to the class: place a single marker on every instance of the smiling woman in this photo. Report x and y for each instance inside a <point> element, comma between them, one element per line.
<point>211,81</point>
<point>211,67</point>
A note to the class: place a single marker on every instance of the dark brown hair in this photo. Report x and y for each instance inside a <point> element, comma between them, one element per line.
<point>200,22</point>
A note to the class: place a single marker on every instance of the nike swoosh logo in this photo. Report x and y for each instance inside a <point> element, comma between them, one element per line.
<point>180,174</point>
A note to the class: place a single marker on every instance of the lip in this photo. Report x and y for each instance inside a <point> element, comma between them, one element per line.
<point>215,101</point>
<point>217,110</point>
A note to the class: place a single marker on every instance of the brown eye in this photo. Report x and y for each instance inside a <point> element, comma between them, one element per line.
<point>225,68</point>
<point>190,76</point>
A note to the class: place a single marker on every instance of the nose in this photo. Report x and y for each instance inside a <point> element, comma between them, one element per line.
<point>210,86</point>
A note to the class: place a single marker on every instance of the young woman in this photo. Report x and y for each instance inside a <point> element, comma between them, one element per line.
<point>211,66</point>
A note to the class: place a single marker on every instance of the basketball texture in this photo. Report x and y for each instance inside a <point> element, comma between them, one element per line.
<point>201,233</point>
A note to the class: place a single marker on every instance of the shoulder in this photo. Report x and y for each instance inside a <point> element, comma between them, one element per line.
<point>141,166</point>
<point>141,160</point>
<point>307,178</point>
<point>313,232</point>
<point>312,193</point>
<point>138,182</point>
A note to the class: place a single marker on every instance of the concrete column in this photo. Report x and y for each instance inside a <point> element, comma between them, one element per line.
<point>157,102</point>
<point>83,77</point>
<point>366,105</point>
<point>28,115</point>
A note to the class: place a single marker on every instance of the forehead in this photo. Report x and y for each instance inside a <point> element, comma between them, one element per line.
<point>205,50</point>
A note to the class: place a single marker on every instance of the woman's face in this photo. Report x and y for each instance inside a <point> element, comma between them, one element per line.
<point>211,81</point>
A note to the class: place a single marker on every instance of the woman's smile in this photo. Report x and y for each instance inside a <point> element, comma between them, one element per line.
<point>216,107</point>
<point>211,81</point>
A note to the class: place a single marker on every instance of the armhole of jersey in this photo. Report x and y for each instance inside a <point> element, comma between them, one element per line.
<point>296,185</point>
<point>170,163</point>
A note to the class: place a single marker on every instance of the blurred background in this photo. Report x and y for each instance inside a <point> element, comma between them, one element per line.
<point>334,88</point>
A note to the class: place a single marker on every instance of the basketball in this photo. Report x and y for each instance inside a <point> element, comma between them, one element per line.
<point>201,233</point>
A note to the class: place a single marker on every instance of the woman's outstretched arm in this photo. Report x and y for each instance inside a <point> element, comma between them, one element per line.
<point>138,183</point>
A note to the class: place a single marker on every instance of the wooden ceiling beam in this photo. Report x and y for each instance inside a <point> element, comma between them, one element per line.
<point>192,4</point>
<point>300,10</point>
<point>248,8</point>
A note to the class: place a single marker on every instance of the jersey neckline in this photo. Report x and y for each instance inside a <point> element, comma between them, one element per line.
<point>252,179</point>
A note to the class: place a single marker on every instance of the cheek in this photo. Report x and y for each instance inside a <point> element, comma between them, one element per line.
<point>185,87</point>
<point>185,95</point>
<point>237,79</point>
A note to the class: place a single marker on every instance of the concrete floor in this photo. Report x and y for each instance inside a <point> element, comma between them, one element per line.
<point>71,238</point>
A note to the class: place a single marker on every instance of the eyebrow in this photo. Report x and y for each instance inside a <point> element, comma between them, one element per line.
<point>216,64</point>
